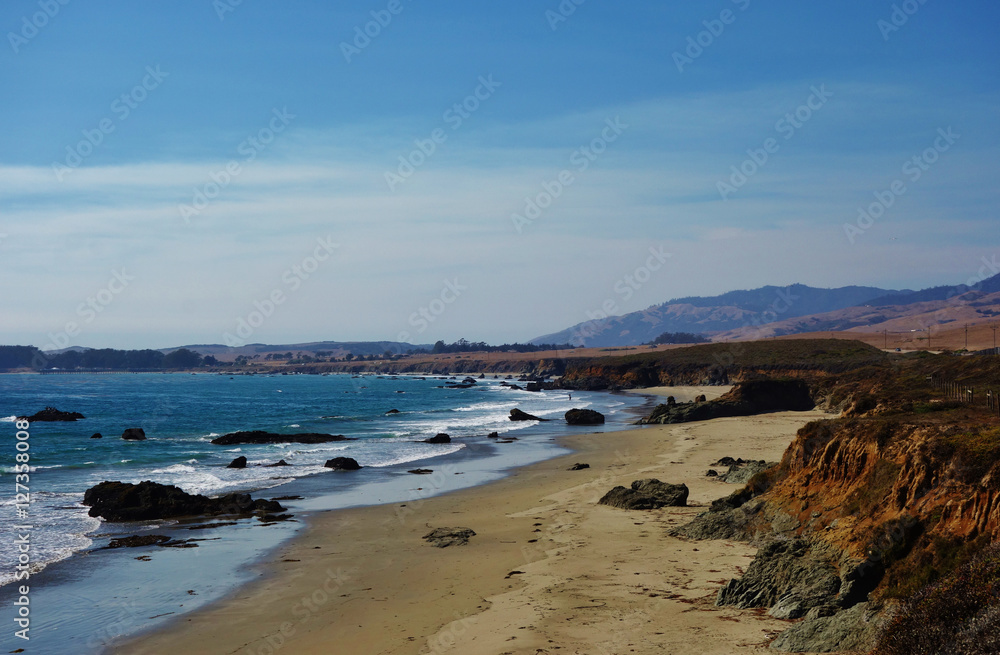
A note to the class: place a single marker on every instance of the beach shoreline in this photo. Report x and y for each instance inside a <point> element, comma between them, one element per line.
<point>363,579</point>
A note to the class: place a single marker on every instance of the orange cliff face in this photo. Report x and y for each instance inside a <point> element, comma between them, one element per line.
<point>910,493</point>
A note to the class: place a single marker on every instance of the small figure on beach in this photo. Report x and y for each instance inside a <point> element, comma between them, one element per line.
<point>570,396</point>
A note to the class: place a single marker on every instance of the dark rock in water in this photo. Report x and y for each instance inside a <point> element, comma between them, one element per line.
<point>51,414</point>
<point>97,435</point>
<point>259,436</point>
<point>493,435</point>
<point>134,434</point>
<point>518,415</point>
<point>584,417</point>
<point>342,464</point>
<point>271,518</point>
<point>441,437</point>
<point>120,501</point>
<point>647,494</point>
<point>280,462</point>
<point>420,471</point>
<point>789,576</point>
<point>392,411</point>
<point>744,399</point>
<point>578,467</point>
<point>444,537</point>
<point>138,541</point>
<point>238,463</point>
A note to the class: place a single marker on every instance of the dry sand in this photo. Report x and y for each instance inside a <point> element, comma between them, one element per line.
<point>549,570</point>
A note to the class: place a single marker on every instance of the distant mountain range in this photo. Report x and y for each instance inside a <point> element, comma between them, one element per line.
<point>774,311</point>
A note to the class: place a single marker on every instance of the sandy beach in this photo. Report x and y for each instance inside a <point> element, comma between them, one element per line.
<point>548,571</point>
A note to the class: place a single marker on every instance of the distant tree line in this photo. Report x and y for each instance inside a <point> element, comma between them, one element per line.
<point>12,357</point>
<point>463,346</point>
<point>680,337</point>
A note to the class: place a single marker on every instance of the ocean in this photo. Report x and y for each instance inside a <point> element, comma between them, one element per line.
<point>84,595</point>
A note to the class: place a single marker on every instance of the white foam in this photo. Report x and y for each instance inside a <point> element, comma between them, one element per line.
<point>8,419</point>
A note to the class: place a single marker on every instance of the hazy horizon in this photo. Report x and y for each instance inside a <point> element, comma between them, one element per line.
<point>488,173</point>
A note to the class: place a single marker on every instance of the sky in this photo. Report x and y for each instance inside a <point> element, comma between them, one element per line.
<point>233,171</point>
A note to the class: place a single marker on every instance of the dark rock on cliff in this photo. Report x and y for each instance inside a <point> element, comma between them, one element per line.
<point>647,494</point>
<point>259,436</point>
<point>51,414</point>
<point>439,438</point>
<point>120,501</point>
<point>444,537</point>
<point>744,399</point>
<point>134,434</point>
<point>342,464</point>
<point>238,463</point>
<point>788,576</point>
<point>584,417</point>
<point>518,415</point>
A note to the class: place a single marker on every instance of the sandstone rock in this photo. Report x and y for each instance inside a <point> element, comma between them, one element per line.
<point>342,464</point>
<point>584,417</point>
<point>134,434</point>
<point>647,494</point>
<point>444,537</point>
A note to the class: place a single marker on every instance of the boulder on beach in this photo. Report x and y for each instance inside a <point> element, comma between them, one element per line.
<point>51,414</point>
<point>584,417</point>
<point>441,437</point>
<point>342,464</point>
<point>578,467</point>
<point>518,415</point>
<point>146,501</point>
<point>444,537</point>
<point>134,434</point>
<point>260,436</point>
<point>238,463</point>
<point>647,494</point>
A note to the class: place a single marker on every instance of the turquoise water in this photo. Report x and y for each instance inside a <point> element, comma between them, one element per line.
<point>83,596</point>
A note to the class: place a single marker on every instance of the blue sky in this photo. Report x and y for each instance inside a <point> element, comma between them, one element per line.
<point>437,254</point>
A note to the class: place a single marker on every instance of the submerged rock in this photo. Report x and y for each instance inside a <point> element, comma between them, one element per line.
<point>134,434</point>
<point>647,494</point>
<point>97,435</point>
<point>584,417</point>
<point>51,414</point>
<point>260,436</point>
<point>518,415</point>
<point>444,537</point>
<point>122,501</point>
<point>238,463</point>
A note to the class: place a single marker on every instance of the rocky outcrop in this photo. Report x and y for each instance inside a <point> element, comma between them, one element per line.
<point>742,472</point>
<point>441,437</point>
<point>262,437</point>
<point>121,501</point>
<point>51,414</point>
<point>744,399</point>
<point>788,576</point>
<point>238,463</point>
<point>518,415</point>
<point>444,537</point>
<point>646,494</point>
<point>342,464</point>
<point>584,417</point>
<point>134,434</point>
<point>826,630</point>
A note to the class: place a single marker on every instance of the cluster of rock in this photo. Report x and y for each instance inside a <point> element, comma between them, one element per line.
<point>646,494</point>
<point>744,399</point>
<point>122,501</point>
<point>262,437</point>
<point>740,470</point>
<point>573,416</point>
<point>444,537</point>
<point>51,414</point>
